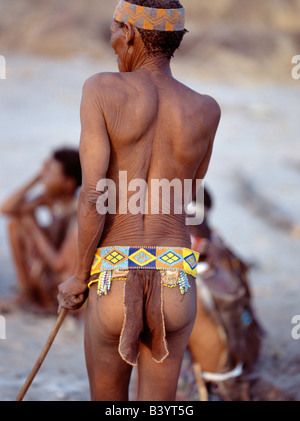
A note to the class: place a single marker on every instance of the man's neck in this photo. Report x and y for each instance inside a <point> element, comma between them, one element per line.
<point>154,64</point>
<point>157,65</point>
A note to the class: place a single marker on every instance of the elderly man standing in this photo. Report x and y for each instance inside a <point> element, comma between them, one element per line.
<point>138,266</point>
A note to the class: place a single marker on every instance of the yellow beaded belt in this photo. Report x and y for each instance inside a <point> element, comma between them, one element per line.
<point>108,259</point>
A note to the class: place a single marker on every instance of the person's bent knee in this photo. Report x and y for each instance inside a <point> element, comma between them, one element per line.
<point>14,222</point>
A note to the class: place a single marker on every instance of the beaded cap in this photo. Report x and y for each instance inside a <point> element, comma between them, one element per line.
<point>150,18</point>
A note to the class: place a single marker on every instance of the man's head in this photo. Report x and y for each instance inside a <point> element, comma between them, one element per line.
<point>167,23</point>
<point>61,173</point>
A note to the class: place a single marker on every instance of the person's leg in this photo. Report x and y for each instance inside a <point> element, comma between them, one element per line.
<point>158,381</point>
<point>33,275</point>
<point>207,343</point>
<point>109,375</point>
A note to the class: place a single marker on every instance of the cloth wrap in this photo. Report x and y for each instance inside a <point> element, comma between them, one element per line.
<point>143,309</point>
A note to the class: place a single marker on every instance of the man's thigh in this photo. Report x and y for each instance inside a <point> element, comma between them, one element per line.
<point>158,381</point>
<point>108,374</point>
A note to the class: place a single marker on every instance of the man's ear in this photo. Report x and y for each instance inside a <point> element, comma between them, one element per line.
<point>129,33</point>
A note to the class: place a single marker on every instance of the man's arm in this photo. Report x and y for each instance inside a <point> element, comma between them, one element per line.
<point>18,204</point>
<point>213,115</point>
<point>94,157</point>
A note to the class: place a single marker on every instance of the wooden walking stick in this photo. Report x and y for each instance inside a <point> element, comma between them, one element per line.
<point>43,354</point>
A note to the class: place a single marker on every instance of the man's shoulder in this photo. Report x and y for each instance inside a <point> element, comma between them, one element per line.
<point>211,107</point>
<point>205,108</point>
<point>202,102</point>
<point>103,88</point>
<point>205,102</point>
<point>101,80</point>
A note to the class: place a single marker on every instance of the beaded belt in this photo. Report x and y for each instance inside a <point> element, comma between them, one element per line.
<point>108,259</point>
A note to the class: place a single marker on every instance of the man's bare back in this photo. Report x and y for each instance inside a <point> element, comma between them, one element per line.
<point>160,129</point>
<point>144,125</point>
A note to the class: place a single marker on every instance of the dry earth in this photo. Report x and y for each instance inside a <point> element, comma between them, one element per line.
<point>238,53</point>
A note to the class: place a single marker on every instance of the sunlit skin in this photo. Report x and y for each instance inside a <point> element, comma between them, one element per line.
<point>143,121</point>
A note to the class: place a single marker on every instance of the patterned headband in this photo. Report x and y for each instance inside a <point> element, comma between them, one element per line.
<point>149,18</point>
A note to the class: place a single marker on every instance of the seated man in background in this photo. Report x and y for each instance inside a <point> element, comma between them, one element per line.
<point>45,254</point>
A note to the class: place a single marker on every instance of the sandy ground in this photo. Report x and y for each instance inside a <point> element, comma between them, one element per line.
<point>257,141</point>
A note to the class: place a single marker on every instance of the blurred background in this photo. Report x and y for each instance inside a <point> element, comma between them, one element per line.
<point>238,51</point>
<point>254,38</point>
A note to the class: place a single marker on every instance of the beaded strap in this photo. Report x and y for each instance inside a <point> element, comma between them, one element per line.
<point>148,257</point>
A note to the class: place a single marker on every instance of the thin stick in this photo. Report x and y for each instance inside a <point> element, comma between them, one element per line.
<point>202,390</point>
<point>43,354</point>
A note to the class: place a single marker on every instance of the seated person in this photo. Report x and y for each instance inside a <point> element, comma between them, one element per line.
<point>226,335</point>
<point>217,258</point>
<point>45,254</point>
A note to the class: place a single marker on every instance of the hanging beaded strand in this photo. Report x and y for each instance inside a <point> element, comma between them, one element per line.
<point>184,284</point>
<point>104,283</point>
